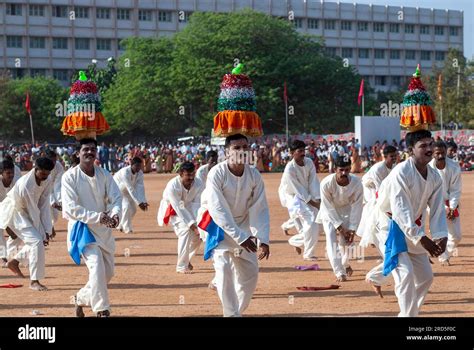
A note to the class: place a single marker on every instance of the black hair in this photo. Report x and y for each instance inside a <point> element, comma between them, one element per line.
<point>44,163</point>
<point>452,144</point>
<point>342,161</point>
<point>7,164</point>
<point>50,153</point>
<point>389,149</point>
<point>85,141</point>
<point>440,144</point>
<point>413,137</point>
<point>211,154</point>
<point>297,144</point>
<point>187,166</point>
<point>235,137</point>
<point>136,160</point>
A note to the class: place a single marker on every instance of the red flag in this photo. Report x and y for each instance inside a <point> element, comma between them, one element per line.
<point>27,103</point>
<point>361,92</point>
<point>285,94</point>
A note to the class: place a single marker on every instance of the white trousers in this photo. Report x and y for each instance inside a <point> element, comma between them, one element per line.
<point>129,209</point>
<point>3,245</point>
<point>337,249</point>
<point>413,277</point>
<point>454,237</point>
<point>54,215</point>
<point>188,244</point>
<point>33,251</point>
<point>308,233</point>
<point>289,224</point>
<point>236,280</point>
<point>101,270</point>
<point>375,276</point>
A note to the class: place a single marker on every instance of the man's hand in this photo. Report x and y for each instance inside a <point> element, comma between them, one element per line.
<point>349,236</point>
<point>264,251</point>
<point>115,221</point>
<point>143,206</point>
<point>195,229</point>
<point>441,242</point>
<point>315,204</point>
<point>110,222</point>
<point>46,241</point>
<point>432,248</point>
<point>249,245</point>
<point>57,206</point>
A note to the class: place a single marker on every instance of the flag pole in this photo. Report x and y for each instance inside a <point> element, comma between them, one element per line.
<point>285,96</point>
<point>32,133</point>
<point>363,105</point>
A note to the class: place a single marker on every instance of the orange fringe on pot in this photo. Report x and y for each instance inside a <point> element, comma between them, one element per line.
<point>417,117</point>
<point>84,124</point>
<point>228,123</point>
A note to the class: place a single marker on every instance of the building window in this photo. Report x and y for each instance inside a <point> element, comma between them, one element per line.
<point>380,80</point>
<point>59,11</point>
<point>104,44</point>
<point>453,31</point>
<point>394,28</point>
<point>82,43</point>
<point>17,73</point>
<point>439,55</point>
<point>410,54</point>
<point>120,46</point>
<point>37,42</point>
<point>103,13</point>
<point>379,27</point>
<point>347,52</point>
<point>346,25</point>
<point>37,72</point>
<point>362,26</point>
<point>36,10</point>
<point>394,54</point>
<point>123,14</point>
<point>164,16</point>
<point>379,53</point>
<point>14,9</point>
<point>424,29</point>
<point>331,51</point>
<point>144,15</point>
<point>61,74</point>
<point>396,80</point>
<point>439,30</point>
<point>183,16</point>
<point>409,29</point>
<point>330,24</point>
<point>363,53</point>
<point>312,23</point>
<point>426,55</point>
<point>60,43</point>
<point>14,41</point>
<point>298,22</point>
<point>81,12</point>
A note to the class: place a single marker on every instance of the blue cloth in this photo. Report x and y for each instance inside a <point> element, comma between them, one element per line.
<point>81,236</point>
<point>214,235</point>
<point>394,245</point>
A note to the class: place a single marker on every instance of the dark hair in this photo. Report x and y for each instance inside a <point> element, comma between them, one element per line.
<point>187,166</point>
<point>44,163</point>
<point>7,164</point>
<point>413,137</point>
<point>8,156</point>
<point>235,137</point>
<point>452,144</point>
<point>50,153</point>
<point>440,144</point>
<point>389,149</point>
<point>136,160</point>
<point>297,144</point>
<point>211,154</point>
<point>342,161</point>
<point>85,141</point>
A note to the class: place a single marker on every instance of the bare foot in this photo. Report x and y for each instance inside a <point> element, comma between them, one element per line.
<point>14,266</point>
<point>349,271</point>
<point>78,308</point>
<point>35,285</point>
<point>311,258</point>
<point>211,286</point>
<point>190,267</point>
<point>377,290</point>
<point>445,263</point>
<point>185,271</point>
<point>298,250</point>
<point>342,278</point>
<point>4,263</point>
<point>53,234</point>
<point>105,313</point>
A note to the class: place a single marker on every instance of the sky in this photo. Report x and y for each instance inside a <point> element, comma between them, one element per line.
<point>465,5</point>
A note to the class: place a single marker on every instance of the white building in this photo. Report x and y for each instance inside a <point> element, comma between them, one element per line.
<point>385,43</point>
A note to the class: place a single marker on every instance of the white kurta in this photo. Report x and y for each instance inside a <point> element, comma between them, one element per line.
<point>56,176</point>
<point>17,173</point>
<point>84,198</point>
<point>132,188</point>
<point>239,206</point>
<point>186,204</point>
<point>26,210</point>
<point>340,205</point>
<point>202,173</point>
<point>452,185</point>
<point>406,195</point>
<point>299,185</point>
<point>3,194</point>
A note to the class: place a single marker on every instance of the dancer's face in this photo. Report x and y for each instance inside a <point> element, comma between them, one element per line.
<point>42,174</point>
<point>391,159</point>
<point>423,150</point>
<point>7,176</point>
<point>451,152</point>
<point>88,153</point>
<point>187,177</point>
<point>298,155</point>
<point>439,154</point>
<point>136,167</point>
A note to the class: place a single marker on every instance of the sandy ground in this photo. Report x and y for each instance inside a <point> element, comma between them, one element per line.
<point>146,284</point>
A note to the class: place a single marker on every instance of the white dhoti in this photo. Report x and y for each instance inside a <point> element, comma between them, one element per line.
<point>33,251</point>
<point>337,249</point>
<point>308,233</point>
<point>289,224</point>
<point>188,244</point>
<point>454,237</point>
<point>236,279</point>
<point>375,276</point>
<point>129,209</point>
<point>100,264</point>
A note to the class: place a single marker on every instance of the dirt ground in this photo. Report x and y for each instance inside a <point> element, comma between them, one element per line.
<point>146,284</point>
